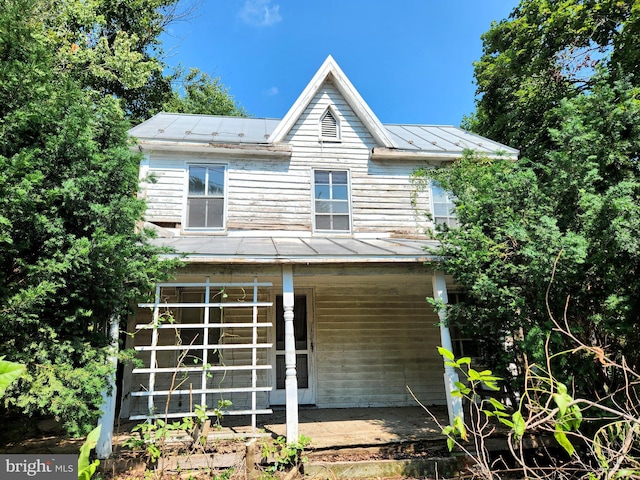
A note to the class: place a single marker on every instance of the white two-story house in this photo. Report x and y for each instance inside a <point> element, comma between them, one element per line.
<point>304,281</point>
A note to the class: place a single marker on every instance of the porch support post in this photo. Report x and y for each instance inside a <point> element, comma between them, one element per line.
<point>104,446</point>
<point>291,379</point>
<point>454,404</point>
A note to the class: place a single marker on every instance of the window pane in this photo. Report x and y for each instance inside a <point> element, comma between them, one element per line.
<point>300,321</point>
<point>439,195</point>
<point>323,207</point>
<point>323,222</point>
<point>280,372</point>
<point>341,222</point>
<point>216,181</point>
<point>452,222</point>
<point>215,211</point>
<point>441,209</point>
<point>339,178</point>
<point>322,192</point>
<point>321,176</point>
<point>197,180</point>
<point>196,212</point>
<point>340,207</point>
<point>302,372</point>
<point>340,192</point>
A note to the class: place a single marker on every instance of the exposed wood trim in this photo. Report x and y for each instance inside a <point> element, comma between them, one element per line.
<point>222,149</point>
<point>252,259</point>
<point>382,154</point>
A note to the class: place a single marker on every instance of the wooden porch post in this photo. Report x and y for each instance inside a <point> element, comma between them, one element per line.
<point>454,404</point>
<point>291,379</point>
<point>104,446</point>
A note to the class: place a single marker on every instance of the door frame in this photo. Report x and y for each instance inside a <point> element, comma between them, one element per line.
<point>306,396</point>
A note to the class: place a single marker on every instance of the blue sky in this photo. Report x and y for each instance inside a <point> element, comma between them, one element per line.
<point>411,60</point>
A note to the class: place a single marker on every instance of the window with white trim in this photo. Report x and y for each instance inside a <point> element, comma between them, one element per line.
<point>329,126</point>
<point>331,200</point>
<point>205,199</point>
<point>442,206</point>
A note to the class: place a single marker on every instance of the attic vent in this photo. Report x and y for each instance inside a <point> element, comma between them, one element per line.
<point>329,126</point>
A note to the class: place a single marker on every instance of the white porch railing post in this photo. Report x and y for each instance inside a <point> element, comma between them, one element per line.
<point>454,404</point>
<point>104,446</point>
<point>291,379</point>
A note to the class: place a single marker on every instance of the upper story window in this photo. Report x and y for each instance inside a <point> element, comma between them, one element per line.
<point>329,126</point>
<point>442,205</point>
<point>205,200</point>
<point>331,200</point>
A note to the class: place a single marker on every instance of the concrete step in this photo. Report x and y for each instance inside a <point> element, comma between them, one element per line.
<point>443,467</point>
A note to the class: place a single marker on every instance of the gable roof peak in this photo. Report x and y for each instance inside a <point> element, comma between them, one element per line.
<point>330,70</point>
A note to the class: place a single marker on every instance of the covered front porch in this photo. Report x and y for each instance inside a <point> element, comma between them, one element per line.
<point>369,334</point>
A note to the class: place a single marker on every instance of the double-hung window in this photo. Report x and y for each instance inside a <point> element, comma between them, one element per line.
<point>331,200</point>
<point>443,206</point>
<point>205,200</point>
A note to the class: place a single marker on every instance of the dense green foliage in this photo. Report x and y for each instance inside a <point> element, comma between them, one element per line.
<point>197,92</point>
<point>69,248</point>
<point>111,47</point>
<point>545,52</point>
<point>574,196</point>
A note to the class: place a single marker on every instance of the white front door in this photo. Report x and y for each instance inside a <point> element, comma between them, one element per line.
<point>305,366</point>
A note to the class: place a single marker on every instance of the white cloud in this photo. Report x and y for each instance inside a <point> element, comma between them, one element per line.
<point>260,13</point>
<point>272,92</point>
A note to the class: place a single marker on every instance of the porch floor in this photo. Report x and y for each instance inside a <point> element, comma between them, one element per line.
<point>353,427</point>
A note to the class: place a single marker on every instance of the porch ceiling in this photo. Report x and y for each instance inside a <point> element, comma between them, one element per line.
<point>247,250</point>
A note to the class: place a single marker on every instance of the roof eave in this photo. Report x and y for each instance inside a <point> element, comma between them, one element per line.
<point>381,153</point>
<point>224,149</point>
<point>304,260</point>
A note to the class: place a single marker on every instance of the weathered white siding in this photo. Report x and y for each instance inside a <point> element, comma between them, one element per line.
<point>375,338</point>
<point>268,195</point>
<point>276,194</point>
<point>164,189</point>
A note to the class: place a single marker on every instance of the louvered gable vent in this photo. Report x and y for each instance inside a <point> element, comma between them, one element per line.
<point>329,126</point>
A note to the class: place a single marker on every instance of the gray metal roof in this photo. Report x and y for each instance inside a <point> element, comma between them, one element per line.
<point>223,249</point>
<point>181,127</point>
<point>178,127</point>
<point>442,139</point>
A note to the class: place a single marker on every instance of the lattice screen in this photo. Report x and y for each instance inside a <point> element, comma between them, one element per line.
<point>194,351</point>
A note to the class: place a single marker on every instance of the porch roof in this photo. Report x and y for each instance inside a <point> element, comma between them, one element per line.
<point>250,250</point>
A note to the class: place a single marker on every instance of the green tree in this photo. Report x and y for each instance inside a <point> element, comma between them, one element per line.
<point>113,47</point>
<point>69,248</point>
<point>197,92</point>
<point>544,52</point>
<point>556,80</point>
